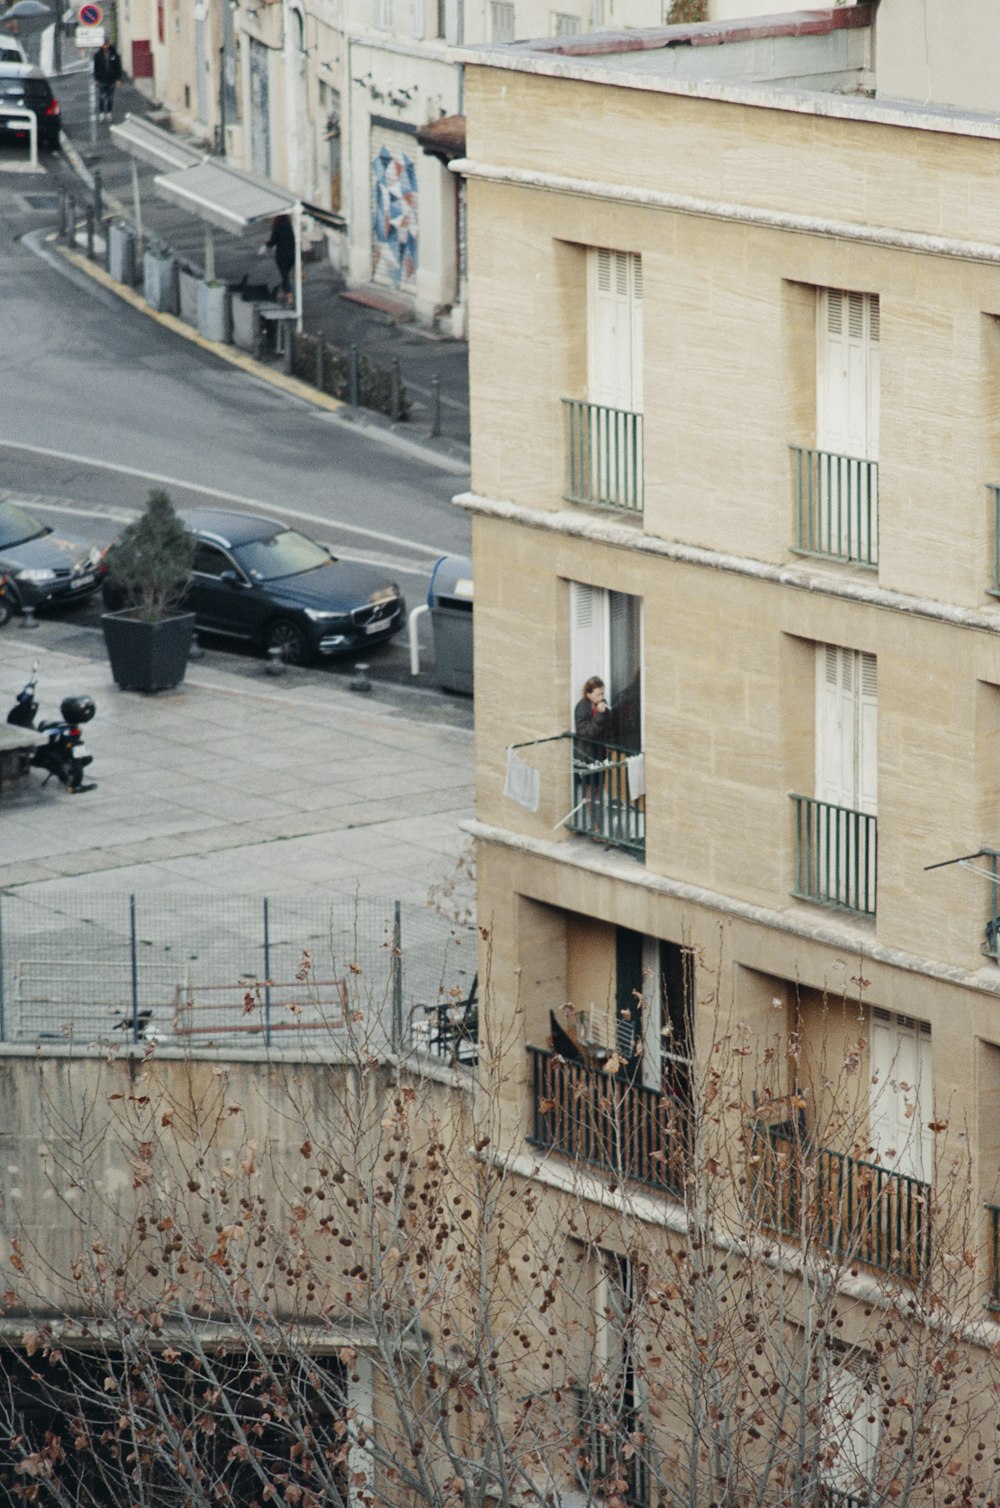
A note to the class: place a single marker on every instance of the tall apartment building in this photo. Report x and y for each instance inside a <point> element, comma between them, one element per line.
<point>357,105</point>
<point>735,360</point>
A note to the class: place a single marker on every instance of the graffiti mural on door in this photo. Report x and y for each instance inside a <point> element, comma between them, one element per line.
<point>394,216</point>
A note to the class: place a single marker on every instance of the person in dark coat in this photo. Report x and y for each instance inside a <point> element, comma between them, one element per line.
<point>592,715</point>
<point>107,75</point>
<point>282,242</point>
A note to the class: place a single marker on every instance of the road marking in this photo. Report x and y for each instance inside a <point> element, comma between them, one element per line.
<point>229,497</point>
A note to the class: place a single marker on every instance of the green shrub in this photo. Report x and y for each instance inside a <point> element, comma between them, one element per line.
<point>149,565</point>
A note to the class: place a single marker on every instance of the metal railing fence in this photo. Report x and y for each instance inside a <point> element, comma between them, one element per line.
<point>836,506</point>
<point>604,456</point>
<point>602,1119</point>
<point>836,855</point>
<point>234,969</point>
<point>855,1209</point>
<point>603,805</point>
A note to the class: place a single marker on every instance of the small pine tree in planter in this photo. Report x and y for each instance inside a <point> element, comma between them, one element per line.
<point>148,571</point>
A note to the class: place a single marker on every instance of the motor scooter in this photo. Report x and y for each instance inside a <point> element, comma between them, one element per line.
<point>63,752</point>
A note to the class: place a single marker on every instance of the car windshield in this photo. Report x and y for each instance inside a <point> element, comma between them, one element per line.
<point>16,526</point>
<point>286,554</point>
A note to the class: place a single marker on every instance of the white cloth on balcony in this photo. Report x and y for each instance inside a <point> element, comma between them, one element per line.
<point>522,784</point>
<point>635,767</point>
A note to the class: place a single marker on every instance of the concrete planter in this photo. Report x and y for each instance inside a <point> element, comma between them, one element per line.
<point>246,326</point>
<point>159,277</point>
<point>147,656</point>
<point>188,286</point>
<point>215,317</point>
<point>121,254</point>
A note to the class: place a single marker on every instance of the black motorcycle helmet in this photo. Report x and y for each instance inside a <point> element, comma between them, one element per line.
<point>77,709</point>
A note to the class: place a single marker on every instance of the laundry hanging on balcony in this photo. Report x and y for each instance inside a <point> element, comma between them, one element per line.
<point>523,784</point>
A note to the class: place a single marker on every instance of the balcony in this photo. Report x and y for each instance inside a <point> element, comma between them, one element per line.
<point>856,1210</point>
<point>993,1300</point>
<point>606,800</point>
<point>836,853</point>
<point>836,506</point>
<point>604,1121</point>
<point>604,456</point>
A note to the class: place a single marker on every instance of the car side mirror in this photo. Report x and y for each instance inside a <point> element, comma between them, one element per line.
<point>232,579</point>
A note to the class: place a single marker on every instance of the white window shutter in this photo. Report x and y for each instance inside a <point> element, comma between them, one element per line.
<point>834,725</point>
<point>851,1428</point>
<point>901,1096</point>
<point>614,328</point>
<point>589,637</point>
<point>867,720</point>
<point>847,373</point>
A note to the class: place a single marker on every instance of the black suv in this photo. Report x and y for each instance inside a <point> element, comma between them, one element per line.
<point>24,87</point>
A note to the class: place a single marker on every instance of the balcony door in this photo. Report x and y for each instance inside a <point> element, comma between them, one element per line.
<point>846,774</point>
<point>847,423</point>
<point>606,640</point>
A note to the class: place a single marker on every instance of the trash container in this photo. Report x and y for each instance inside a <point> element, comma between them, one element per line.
<point>121,254</point>
<point>449,598</point>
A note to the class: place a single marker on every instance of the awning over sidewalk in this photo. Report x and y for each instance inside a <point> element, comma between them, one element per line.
<point>151,144</point>
<point>225,197</point>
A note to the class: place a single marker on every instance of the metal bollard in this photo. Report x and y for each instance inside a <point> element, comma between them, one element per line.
<point>28,619</point>
<point>71,219</point>
<point>435,407</point>
<point>395,405</point>
<point>62,214</point>
<point>90,232</point>
<point>275,661</point>
<point>353,395</point>
<point>359,680</point>
<point>98,196</point>
<point>319,365</point>
<point>289,349</point>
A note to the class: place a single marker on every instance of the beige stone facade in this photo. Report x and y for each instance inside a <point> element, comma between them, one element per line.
<point>752,212</point>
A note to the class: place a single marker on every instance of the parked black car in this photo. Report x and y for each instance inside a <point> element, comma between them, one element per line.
<point>44,568</point>
<point>24,87</point>
<point>254,579</point>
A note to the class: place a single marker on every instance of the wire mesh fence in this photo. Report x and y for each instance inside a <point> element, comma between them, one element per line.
<point>235,970</point>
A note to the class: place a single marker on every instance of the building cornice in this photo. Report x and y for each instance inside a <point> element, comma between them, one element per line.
<point>598,529</point>
<point>918,242</point>
<point>857,940</point>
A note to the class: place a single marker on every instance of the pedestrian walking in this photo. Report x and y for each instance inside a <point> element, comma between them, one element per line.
<point>282,242</point>
<point>107,73</point>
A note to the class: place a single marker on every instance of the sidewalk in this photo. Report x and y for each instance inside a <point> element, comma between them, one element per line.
<point>342,322</point>
<point>237,782</point>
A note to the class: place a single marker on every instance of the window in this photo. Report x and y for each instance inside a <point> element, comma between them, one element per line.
<point>851,1430</point>
<point>607,642</point>
<point>454,22</point>
<point>611,1404</point>
<point>837,483</point>
<point>383,14</point>
<point>614,328</point>
<point>501,21</point>
<point>417,19</point>
<point>564,25</point>
<point>836,828</point>
<point>846,728</point>
<point>901,1095</point>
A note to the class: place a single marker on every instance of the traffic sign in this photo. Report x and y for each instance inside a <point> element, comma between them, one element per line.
<point>90,14</point>
<point>89,36</point>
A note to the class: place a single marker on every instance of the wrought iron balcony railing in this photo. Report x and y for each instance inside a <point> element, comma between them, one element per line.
<point>836,506</point>
<point>603,802</point>
<point>603,1120</point>
<point>609,1467</point>
<point>855,1209</point>
<point>836,855</point>
<point>604,455</point>
<point>993,1211</point>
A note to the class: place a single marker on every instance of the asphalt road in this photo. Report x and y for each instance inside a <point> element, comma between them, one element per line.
<point>98,403</point>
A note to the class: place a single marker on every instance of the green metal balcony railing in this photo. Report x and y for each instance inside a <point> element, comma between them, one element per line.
<point>604,456</point>
<point>994,1295</point>
<point>603,804</point>
<point>608,1464</point>
<point>836,855</point>
<point>836,506</point>
<point>855,1209</point>
<point>602,1119</point>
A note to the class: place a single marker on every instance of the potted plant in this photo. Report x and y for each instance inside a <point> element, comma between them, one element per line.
<point>148,571</point>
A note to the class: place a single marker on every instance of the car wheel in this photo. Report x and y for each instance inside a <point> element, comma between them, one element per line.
<point>6,610</point>
<point>286,636</point>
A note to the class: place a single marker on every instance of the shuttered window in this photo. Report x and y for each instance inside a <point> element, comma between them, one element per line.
<point>606,640</point>
<point>614,329</point>
<point>847,728</point>
<point>901,1094</point>
<point>847,378</point>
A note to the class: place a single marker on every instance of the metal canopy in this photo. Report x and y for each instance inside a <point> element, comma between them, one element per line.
<point>151,144</point>
<point>221,196</point>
